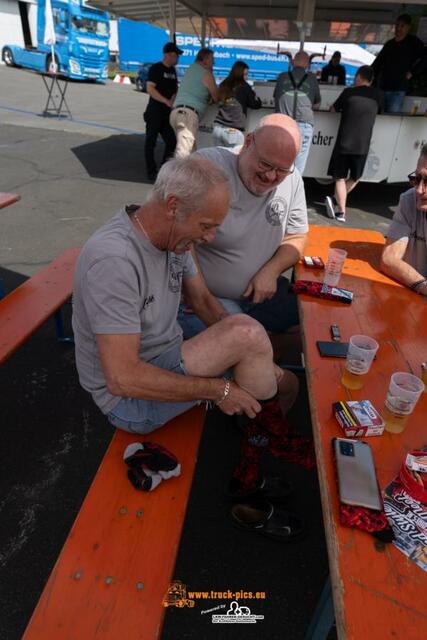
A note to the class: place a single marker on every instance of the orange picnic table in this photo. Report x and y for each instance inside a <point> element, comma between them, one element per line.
<point>377,591</point>
<point>8,198</point>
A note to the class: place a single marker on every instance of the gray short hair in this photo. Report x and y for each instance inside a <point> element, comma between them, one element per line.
<point>423,151</point>
<point>188,179</point>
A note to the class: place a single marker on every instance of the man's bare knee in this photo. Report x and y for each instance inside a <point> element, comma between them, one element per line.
<point>249,333</point>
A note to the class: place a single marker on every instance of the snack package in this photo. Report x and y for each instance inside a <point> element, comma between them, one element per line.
<point>321,290</point>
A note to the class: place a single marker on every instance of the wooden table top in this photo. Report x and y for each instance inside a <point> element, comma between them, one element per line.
<point>8,198</point>
<point>378,592</point>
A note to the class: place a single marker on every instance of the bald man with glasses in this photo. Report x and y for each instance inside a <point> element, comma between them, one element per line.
<point>263,234</point>
<point>404,256</point>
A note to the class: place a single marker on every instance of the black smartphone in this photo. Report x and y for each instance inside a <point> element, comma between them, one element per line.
<point>332,349</point>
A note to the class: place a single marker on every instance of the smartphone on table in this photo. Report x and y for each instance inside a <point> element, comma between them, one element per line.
<point>357,480</point>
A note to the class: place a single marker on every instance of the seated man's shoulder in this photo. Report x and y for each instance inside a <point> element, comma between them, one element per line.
<point>222,156</point>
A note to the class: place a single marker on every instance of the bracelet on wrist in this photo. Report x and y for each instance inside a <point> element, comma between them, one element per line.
<point>225,393</point>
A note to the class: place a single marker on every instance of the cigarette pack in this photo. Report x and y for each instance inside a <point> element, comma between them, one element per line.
<point>358,418</point>
<point>315,262</point>
<point>321,290</point>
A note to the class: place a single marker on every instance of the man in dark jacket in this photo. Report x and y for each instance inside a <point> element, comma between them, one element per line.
<point>162,87</point>
<point>395,63</point>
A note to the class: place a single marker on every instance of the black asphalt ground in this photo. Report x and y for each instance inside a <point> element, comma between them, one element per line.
<point>53,437</point>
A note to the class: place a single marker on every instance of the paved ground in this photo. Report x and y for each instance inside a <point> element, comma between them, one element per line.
<point>72,176</point>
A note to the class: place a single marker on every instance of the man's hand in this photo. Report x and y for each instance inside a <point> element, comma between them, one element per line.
<point>262,287</point>
<point>240,401</point>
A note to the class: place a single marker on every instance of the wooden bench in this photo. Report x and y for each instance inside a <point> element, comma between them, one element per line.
<point>26,308</point>
<point>118,560</point>
<point>377,592</point>
<point>8,198</point>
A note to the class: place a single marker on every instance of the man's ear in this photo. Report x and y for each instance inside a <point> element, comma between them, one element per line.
<point>248,140</point>
<point>171,207</point>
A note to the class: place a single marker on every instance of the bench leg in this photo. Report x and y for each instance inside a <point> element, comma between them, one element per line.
<point>324,615</point>
<point>59,324</point>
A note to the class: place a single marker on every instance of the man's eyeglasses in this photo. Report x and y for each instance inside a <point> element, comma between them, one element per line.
<point>265,167</point>
<point>415,180</point>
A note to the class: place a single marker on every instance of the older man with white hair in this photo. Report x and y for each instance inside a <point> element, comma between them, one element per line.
<point>130,353</point>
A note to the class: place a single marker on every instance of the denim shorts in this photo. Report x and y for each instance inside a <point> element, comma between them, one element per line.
<point>143,416</point>
<point>276,315</point>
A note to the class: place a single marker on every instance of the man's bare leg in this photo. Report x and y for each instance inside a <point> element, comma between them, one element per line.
<point>237,342</point>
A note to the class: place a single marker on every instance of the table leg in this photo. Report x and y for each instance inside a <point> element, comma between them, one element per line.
<point>324,615</point>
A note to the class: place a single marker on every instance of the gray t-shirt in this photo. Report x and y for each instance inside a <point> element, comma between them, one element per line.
<point>124,285</point>
<point>253,228</point>
<point>410,224</point>
<point>306,95</point>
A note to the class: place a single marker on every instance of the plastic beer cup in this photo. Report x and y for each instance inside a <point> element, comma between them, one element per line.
<point>334,265</point>
<point>402,396</point>
<point>360,354</point>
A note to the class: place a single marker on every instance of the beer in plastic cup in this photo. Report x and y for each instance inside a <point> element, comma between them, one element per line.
<point>402,396</point>
<point>361,352</point>
<point>334,265</point>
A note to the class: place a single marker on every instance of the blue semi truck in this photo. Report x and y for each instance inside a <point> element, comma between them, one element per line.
<point>81,49</point>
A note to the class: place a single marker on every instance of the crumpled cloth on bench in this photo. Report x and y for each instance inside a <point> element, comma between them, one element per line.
<point>150,463</point>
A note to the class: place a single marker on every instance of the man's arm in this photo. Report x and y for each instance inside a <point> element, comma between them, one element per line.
<point>393,264</point>
<point>200,299</point>
<point>152,91</point>
<point>263,285</point>
<point>209,82</point>
<point>129,377</point>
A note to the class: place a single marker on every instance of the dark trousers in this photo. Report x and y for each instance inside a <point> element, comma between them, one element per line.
<point>157,121</point>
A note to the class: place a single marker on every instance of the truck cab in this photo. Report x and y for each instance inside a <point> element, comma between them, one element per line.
<point>81,49</point>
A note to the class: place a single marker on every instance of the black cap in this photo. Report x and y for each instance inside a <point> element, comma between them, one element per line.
<point>170,47</point>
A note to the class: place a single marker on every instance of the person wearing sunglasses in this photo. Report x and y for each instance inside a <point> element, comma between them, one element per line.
<point>404,256</point>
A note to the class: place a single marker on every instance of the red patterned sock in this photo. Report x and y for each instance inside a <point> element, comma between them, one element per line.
<point>284,442</point>
<point>247,473</point>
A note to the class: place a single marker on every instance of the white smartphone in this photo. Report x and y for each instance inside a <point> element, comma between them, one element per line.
<point>357,480</point>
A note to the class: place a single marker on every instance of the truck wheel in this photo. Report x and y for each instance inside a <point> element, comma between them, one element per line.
<point>140,85</point>
<point>8,57</point>
<point>52,65</point>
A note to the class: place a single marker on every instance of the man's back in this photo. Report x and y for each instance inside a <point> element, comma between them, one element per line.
<point>307,94</point>
<point>359,107</point>
<point>192,91</point>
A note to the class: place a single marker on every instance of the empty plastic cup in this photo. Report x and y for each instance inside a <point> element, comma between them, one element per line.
<point>402,396</point>
<point>360,354</point>
<point>334,265</point>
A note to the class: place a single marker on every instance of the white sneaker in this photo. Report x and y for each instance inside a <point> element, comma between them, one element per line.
<point>330,207</point>
<point>340,216</point>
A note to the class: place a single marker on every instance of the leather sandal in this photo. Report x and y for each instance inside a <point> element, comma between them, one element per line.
<point>260,516</point>
<point>270,488</point>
